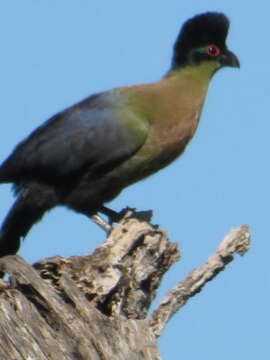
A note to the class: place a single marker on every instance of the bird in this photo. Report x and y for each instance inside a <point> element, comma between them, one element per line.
<point>84,156</point>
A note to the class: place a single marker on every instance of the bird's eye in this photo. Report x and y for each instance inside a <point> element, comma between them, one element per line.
<point>213,50</point>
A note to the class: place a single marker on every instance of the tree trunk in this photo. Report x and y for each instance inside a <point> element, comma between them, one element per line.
<point>96,306</point>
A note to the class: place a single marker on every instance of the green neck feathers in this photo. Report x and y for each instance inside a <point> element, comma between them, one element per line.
<point>200,72</point>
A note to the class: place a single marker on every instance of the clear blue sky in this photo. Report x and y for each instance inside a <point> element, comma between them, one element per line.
<point>54,53</point>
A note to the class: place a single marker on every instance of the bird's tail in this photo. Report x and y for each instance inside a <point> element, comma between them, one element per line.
<point>32,202</point>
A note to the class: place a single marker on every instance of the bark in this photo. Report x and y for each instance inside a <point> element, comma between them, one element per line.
<point>96,306</point>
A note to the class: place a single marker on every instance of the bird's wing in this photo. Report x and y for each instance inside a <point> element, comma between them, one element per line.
<point>93,135</point>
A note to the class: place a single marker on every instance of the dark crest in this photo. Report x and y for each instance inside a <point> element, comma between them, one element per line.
<point>201,30</point>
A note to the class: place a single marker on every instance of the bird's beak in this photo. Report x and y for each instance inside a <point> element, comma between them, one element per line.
<point>230,59</point>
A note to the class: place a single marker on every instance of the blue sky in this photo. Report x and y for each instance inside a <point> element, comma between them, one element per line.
<point>54,53</point>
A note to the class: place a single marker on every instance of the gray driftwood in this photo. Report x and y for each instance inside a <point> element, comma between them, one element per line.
<point>96,306</point>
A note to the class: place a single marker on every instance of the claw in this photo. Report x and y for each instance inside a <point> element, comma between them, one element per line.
<point>113,216</point>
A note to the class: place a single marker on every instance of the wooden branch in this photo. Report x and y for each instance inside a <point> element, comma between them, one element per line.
<point>88,307</point>
<point>122,275</point>
<point>95,306</point>
<point>37,323</point>
<point>237,241</point>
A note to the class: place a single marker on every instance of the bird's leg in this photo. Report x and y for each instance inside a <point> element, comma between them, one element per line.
<point>101,223</point>
<point>127,212</point>
<point>112,215</point>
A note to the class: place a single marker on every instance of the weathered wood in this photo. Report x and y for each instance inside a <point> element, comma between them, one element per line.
<point>236,242</point>
<point>36,323</point>
<point>122,275</point>
<point>89,307</point>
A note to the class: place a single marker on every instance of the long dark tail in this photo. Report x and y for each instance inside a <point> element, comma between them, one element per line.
<point>32,202</point>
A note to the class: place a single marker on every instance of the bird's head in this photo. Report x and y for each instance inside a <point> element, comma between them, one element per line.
<point>202,39</point>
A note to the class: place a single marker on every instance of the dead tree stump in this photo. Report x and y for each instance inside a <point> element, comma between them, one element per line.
<point>96,306</point>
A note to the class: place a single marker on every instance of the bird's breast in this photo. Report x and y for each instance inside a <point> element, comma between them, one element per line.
<point>169,140</point>
<point>173,112</point>
<point>163,145</point>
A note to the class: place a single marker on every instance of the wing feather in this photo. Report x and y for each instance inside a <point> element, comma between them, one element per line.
<point>93,134</point>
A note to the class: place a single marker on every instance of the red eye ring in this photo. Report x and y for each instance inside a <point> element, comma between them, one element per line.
<point>212,50</point>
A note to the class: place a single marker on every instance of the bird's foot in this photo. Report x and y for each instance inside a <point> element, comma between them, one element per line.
<point>116,217</point>
<point>113,217</point>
